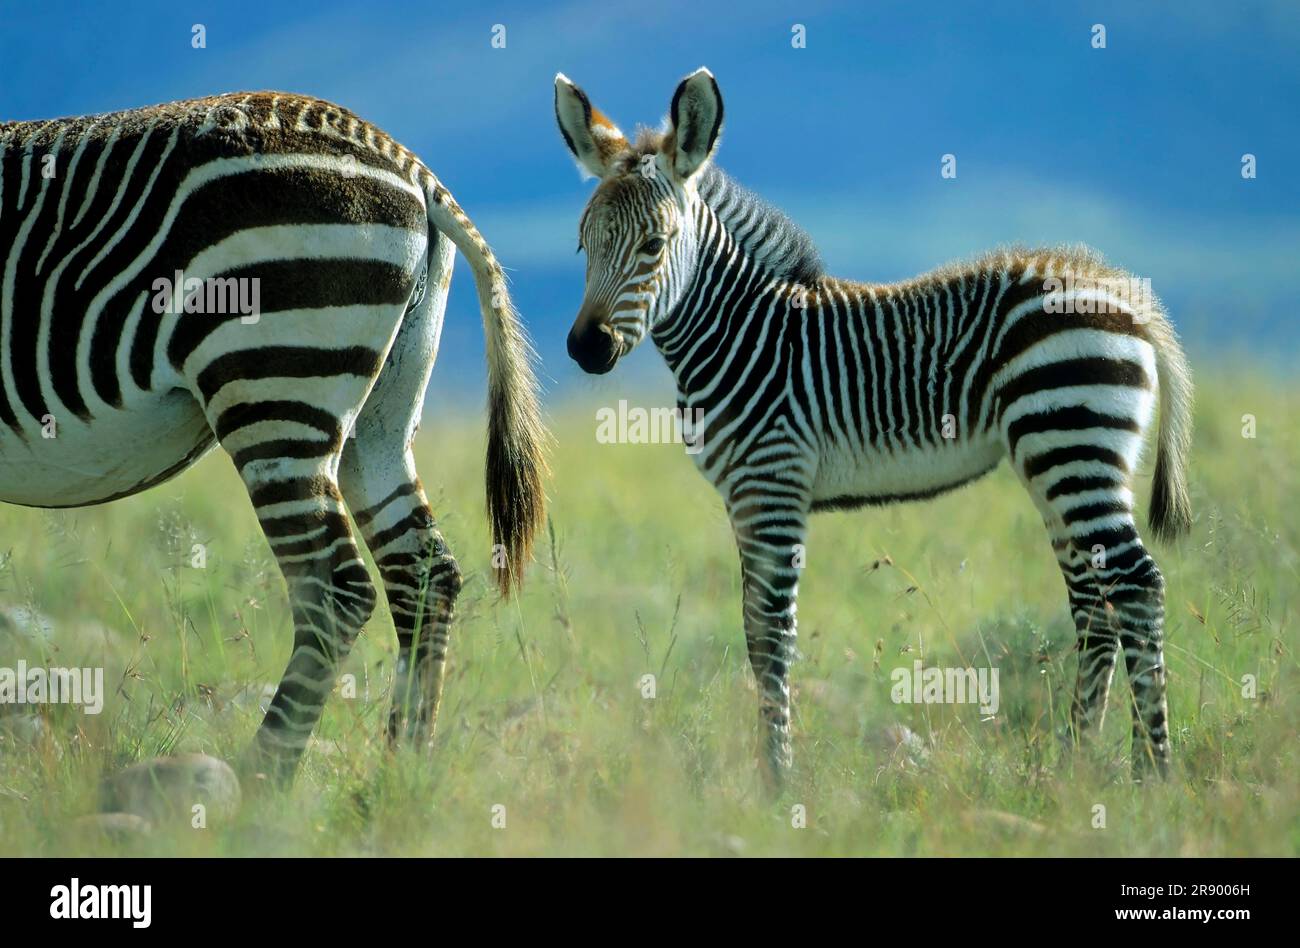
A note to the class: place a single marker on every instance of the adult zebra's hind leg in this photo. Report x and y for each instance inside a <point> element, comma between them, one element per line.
<point>378,477</point>
<point>421,580</point>
<point>287,452</point>
<point>283,392</point>
<point>331,597</point>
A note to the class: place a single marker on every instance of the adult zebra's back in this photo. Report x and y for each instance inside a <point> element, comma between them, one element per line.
<point>269,272</point>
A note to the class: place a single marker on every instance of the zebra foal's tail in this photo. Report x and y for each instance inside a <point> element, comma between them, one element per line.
<point>1170,515</point>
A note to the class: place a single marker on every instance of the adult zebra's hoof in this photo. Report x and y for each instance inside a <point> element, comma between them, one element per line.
<point>1150,764</point>
<point>417,692</point>
<point>173,792</point>
<point>266,769</point>
<point>407,727</point>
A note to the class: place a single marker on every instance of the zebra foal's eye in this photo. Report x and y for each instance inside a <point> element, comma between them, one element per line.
<point>652,246</point>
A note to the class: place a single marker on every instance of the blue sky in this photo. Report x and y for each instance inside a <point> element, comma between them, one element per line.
<point>1135,148</point>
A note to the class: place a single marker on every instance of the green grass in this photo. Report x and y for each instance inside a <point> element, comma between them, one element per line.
<point>543,712</point>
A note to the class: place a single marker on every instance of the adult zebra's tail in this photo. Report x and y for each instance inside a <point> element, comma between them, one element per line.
<point>516,459</point>
<point>1170,515</point>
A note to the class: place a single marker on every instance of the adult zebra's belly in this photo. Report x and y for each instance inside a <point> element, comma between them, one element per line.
<point>119,454</point>
<point>845,480</point>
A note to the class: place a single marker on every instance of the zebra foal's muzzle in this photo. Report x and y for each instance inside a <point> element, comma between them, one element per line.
<point>593,342</point>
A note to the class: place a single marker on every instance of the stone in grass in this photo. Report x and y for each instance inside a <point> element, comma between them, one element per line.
<point>62,644</point>
<point>37,631</point>
<point>26,727</point>
<point>118,827</point>
<point>29,627</point>
<point>167,789</point>
<point>901,746</point>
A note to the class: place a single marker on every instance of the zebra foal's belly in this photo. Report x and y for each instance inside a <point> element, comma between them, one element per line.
<point>846,479</point>
<point>70,464</point>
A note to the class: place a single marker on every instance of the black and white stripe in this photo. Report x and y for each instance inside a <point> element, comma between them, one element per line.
<point>817,393</point>
<point>347,240</point>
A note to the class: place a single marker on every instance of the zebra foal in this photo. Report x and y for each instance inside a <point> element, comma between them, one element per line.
<point>268,272</point>
<point>815,393</point>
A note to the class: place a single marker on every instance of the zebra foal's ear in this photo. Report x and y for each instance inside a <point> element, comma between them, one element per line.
<point>594,140</point>
<point>696,116</point>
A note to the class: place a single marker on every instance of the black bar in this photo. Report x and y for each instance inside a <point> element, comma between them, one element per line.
<point>335,897</point>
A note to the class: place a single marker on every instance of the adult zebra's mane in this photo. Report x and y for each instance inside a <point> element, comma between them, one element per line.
<point>765,231</point>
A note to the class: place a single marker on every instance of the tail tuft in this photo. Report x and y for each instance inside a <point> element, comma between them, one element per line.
<point>516,456</point>
<point>1170,514</point>
<point>516,438</point>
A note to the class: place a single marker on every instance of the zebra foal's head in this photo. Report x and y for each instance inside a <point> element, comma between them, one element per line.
<point>636,230</point>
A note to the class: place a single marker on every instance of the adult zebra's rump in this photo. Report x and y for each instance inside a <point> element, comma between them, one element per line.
<point>268,272</point>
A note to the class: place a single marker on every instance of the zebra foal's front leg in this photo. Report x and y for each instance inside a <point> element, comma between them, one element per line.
<point>770,532</point>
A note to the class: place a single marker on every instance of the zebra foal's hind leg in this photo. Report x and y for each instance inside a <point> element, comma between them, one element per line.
<point>1098,638</point>
<point>1117,601</point>
<point>1134,591</point>
<point>1098,647</point>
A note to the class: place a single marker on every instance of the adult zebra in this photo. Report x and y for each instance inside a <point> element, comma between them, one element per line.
<point>813,393</point>
<point>269,272</point>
